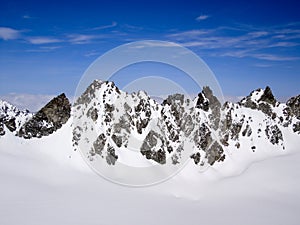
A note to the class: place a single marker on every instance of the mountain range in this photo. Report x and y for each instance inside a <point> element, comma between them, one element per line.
<point>108,122</point>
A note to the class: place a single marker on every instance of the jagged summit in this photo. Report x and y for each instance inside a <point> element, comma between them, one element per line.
<point>11,117</point>
<point>258,96</point>
<point>262,100</point>
<point>268,97</point>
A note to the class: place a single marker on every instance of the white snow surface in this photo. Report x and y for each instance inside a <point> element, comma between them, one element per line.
<point>44,182</point>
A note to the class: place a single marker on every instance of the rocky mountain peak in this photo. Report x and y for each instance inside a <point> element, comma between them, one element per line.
<point>262,100</point>
<point>213,100</point>
<point>48,119</point>
<point>96,86</point>
<point>268,97</point>
<point>206,100</point>
<point>11,117</point>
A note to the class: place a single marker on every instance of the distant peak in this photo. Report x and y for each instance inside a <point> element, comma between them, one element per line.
<point>268,96</point>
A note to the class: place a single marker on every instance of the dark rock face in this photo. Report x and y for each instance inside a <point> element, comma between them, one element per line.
<point>296,127</point>
<point>215,153</point>
<point>214,105</point>
<point>265,108</point>
<point>268,96</point>
<point>174,106</point>
<point>98,145</point>
<point>196,157</point>
<point>187,125</point>
<point>274,134</point>
<point>93,113</point>
<point>143,106</point>
<point>111,157</point>
<point>2,132</point>
<point>11,124</point>
<point>236,129</point>
<point>250,104</point>
<point>76,135</point>
<point>176,103</point>
<point>247,131</point>
<point>202,103</point>
<point>203,137</point>
<point>117,139</point>
<point>50,118</point>
<point>293,105</point>
<point>149,146</point>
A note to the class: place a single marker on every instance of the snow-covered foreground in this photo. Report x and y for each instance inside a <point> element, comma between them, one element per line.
<point>44,182</point>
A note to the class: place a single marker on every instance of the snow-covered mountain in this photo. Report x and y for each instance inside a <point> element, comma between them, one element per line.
<point>109,121</point>
<point>11,117</point>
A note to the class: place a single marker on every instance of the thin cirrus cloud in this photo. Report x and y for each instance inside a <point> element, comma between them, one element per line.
<point>242,42</point>
<point>82,38</point>
<point>190,34</point>
<point>43,40</point>
<point>26,17</point>
<point>145,44</point>
<point>113,24</point>
<point>7,33</point>
<point>44,49</point>
<point>202,17</point>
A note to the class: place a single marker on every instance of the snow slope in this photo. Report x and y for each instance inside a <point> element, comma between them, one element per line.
<point>43,181</point>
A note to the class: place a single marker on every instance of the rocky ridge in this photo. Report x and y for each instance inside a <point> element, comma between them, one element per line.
<point>161,132</point>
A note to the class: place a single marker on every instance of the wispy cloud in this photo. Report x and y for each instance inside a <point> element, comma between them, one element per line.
<point>260,43</point>
<point>43,40</point>
<point>82,38</point>
<point>263,56</point>
<point>92,53</point>
<point>190,34</point>
<point>113,24</point>
<point>7,33</point>
<point>258,34</point>
<point>273,57</point>
<point>27,17</point>
<point>44,49</point>
<point>145,44</point>
<point>202,17</point>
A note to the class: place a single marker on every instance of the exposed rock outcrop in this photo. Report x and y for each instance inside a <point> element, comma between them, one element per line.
<point>47,120</point>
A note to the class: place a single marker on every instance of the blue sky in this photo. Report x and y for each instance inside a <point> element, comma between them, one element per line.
<point>46,47</point>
